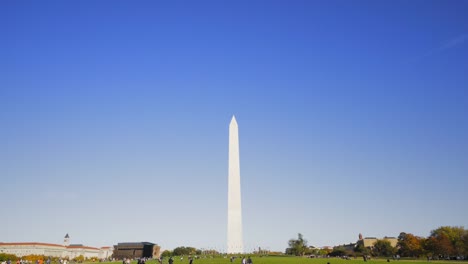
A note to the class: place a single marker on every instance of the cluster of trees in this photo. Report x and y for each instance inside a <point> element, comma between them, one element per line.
<point>182,251</point>
<point>185,251</point>
<point>381,248</point>
<point>191,251</point>
<point>445,241</point>
<point>81,259</point>
<point>29,258</point>
<point>6,257</point>
<point>299,247</point>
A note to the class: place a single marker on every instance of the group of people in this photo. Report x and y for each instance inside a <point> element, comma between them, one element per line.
<point>171,260</point>
<point>127,261</point>
<point>247,261</point>
<point>244,260</point>
<point>139,261</point>
<point>39,261</point>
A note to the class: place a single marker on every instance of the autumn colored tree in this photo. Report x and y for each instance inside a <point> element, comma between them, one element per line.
<point>33,258</point>
<point>439,245</point>
<point>79,258</point>
<point>449,240</point>
<point>409,245</point>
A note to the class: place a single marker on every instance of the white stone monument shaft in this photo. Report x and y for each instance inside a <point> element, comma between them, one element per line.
<point>234,235</point>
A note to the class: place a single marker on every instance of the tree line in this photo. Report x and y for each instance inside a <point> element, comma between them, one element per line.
<point>187,251</point>
<point>443,242</point>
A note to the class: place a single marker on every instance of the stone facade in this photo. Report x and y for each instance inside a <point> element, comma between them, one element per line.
<point>370,241</point>
<point>55,250</point>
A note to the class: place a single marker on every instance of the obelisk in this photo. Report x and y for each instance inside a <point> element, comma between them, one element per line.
<point>234,235</point>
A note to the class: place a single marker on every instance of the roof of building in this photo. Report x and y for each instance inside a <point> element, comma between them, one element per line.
<point>67,236</point>
<point>82,247</point>
<point>48,244</point>
<point>135,243</point>
<point>30,244</point>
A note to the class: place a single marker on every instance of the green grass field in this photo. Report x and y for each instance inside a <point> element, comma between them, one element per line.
<point>293,260</point>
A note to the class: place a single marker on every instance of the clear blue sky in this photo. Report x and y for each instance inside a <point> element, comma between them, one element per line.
<point>353,117</point>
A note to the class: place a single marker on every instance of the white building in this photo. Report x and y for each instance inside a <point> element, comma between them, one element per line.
<point>66,250</point>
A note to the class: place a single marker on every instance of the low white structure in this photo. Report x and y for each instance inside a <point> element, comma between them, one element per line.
<point>66,250</point>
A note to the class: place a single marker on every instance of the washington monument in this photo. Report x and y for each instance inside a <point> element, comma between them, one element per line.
<point>234,235</point>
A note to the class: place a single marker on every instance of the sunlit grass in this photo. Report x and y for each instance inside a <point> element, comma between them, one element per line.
<point>291,260</point>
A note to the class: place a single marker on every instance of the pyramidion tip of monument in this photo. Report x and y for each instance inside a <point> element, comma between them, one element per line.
<point>233,119</point>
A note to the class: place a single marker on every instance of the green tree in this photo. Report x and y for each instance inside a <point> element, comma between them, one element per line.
<point>361,249</point>
<point>383,248</point>
<point>297,246</point>
<point>338,251</point>
<point>454,234</point>
<point>166,253</point>
<point>6,257</point>
<point>465,243</point>
<point>182,251</point>
<point>311,250</point>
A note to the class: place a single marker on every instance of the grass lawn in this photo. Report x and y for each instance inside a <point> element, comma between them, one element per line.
<point>291,260</point>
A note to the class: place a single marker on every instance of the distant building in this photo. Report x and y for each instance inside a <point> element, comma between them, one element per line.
<point>328,248</point>
<point>134,250</point>
<point>66,250</point>
<point>66,240</point>
<point>349,247</point>
<point>369,242</point>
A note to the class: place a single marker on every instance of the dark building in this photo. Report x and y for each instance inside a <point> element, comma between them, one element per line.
<point>136,250</point>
